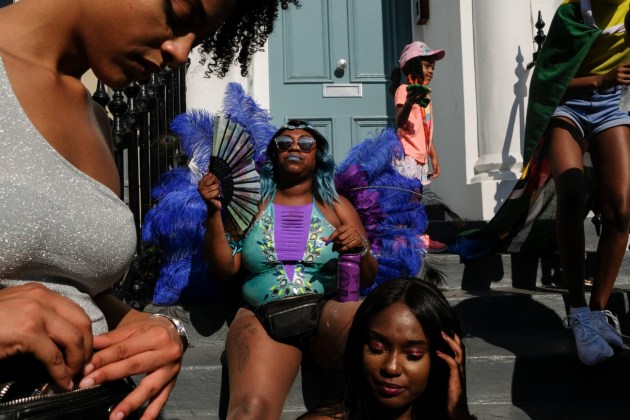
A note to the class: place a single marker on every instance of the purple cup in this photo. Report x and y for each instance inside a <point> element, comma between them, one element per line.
<point>348,278</point>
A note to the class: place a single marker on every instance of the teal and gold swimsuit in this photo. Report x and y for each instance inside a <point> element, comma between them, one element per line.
<point>269,278</point>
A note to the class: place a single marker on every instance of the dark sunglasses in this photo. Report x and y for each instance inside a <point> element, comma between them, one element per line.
<point>306,144</point>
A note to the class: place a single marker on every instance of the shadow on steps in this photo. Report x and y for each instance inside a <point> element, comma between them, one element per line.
<point>519,353</point>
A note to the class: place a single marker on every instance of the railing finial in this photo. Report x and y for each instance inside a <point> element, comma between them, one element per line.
<point>539,39</point>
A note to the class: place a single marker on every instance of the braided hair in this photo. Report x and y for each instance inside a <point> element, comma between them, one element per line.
<point>412,70</point>
<point>243,33</point>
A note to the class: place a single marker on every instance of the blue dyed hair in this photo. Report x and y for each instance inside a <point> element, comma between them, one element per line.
<point>323,187</point>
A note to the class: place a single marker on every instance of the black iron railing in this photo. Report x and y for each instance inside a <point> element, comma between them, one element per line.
<point>144,148</point>
<point>539,39</point>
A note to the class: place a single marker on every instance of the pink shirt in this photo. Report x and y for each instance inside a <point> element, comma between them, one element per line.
<point>412,135</point>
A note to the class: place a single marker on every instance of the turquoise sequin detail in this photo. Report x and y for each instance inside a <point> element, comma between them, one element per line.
<point>298,285</point>
<point>237,246</point>
<point>266,278</point>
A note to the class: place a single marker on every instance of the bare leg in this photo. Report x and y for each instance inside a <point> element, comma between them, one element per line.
<point>261,370</point>
<point>611,153</point>
<point>328,345</point>
<point>566,160</point>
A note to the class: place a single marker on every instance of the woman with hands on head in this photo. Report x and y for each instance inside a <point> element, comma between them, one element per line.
<point>404,358</point>
<point>67,237</point>
<point>290,252</point>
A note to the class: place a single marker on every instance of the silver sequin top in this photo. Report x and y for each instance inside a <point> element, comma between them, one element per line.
<point>57,224</point>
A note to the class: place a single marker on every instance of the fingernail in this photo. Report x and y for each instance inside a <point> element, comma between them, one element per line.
<point>88,369</point>
<point>71,384</point>
<point>86,383</point>
<point>119,415</point>
<point>444,335</point>
<point>327,241</point>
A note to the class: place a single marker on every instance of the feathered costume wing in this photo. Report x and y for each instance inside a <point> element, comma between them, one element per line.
<point>388,203</point>
<point>176,223</point>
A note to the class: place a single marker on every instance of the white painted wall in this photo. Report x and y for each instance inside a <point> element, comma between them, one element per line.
<point>479,94</point>
<point>89,80</point>
<point>207,93</point>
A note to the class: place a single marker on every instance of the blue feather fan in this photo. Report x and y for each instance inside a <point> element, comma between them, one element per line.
<point>176,223</point>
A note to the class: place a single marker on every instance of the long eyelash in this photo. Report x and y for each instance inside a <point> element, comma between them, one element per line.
<point>414,357</point>
<point>374,351</point>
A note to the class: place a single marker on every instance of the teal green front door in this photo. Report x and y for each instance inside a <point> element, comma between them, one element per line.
<point>330,62</point>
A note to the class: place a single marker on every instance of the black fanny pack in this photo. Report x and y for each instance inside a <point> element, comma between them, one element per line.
<point>293,317</point>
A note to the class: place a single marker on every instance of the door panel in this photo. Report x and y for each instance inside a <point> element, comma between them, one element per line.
<point>306,58</point>
<point>366,34</point>
<point>304,50</point>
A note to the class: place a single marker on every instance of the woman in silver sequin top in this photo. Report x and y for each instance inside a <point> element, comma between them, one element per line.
<point>65,237</point>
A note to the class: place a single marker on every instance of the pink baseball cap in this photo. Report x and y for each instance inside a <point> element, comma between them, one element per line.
<point>419,49</point>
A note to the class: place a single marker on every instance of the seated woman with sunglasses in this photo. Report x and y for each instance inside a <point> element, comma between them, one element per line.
<point>288,256</point>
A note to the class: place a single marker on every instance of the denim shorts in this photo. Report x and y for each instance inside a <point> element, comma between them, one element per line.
<point>593,112</point>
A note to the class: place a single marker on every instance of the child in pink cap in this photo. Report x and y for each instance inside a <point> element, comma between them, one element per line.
<point>414,116</point>
<point>414,113</point>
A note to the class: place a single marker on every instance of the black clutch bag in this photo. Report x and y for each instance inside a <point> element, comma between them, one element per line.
<point>93,403</point>
<point>30,395</point>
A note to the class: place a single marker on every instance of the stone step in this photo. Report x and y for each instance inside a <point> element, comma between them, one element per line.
<point>198,392</point>
<point>446,231</point>
<point>199,388</point>
<point>521,361</point>
<point>525,271</point>
<point>511,270</point>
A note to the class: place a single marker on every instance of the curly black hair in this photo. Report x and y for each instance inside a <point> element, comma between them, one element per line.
<point>412,67</point>
<point>243,33</point>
